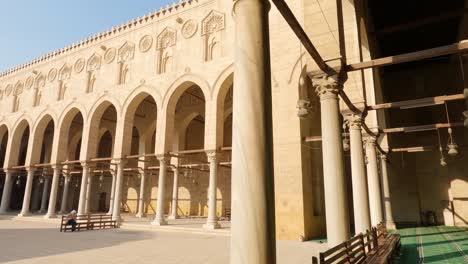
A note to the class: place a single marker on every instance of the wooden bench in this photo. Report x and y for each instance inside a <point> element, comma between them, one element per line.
<point>89,222</point>
<point>227,213</point>
<point>375,246</point>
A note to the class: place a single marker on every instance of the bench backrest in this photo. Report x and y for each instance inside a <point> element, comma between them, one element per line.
<point>89,218</point>
<point>351,251</point>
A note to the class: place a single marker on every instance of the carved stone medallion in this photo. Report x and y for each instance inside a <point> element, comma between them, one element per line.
<point>52,75</point>
<point>109,56</point>
<point>145,43</point>
<point>189,29</point>
<point>29,82</point>
<point>8,90</point>
<point>79,65</point>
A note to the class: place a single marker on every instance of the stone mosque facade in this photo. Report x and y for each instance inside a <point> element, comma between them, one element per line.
<point>138,120</point>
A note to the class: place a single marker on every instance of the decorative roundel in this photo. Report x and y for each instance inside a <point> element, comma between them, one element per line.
<point>79,65</point>
<point>52,75</point>
<point>109,56</point>
<point>189,28</point>
<point>145,43</point>
<point>29,82</point>
<point>8,90</point>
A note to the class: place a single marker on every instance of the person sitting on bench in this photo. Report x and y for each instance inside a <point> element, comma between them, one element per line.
<point>71,220</point>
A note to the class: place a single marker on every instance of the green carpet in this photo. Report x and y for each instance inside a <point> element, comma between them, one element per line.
<point>435,244</point>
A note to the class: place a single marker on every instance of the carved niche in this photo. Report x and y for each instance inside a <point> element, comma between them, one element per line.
<point>39,84</point>
<point>17,91</point>
<point>94,64</point>
<point>212,24</point>
<point>164,45</point>
<point>125,55</point>
<point>1,94</point>
<point>64,75</point>
<point>8,90</point>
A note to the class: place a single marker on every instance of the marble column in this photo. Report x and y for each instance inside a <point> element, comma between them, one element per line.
<point>253,205</point>
<point>358,175</point>
<point>386,192</point>
<point>83,189</point>
<point>53,192</point>
<point>89,193</point>
<point>336,204</point>
<point>212,221</point>
<point>66,188</point>
<point>112,193</point>
<point>45,194</point>
<point>373,182</point>
<point>6,196</point>
<point>175,194</point>
<point>159,219</point>
<point>141,198</point>
<point>27,192</point>
<point>118,190</point>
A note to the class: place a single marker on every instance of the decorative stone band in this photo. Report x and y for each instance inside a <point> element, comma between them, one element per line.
<point>327,86</point>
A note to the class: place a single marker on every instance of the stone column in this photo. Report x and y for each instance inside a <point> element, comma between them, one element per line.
<point>66,187</point>
<point>336,204</point>
<point>253,204</point>
<point>373,182</point>
<point>5,205</point>
<point>27,192</point>
<point>141,198</point>
<point>175,194</point>
<point>358,174</point>
<point>212,221</point>
<point>118,190</point>
<point>45,193</point>
<point>89,187</point>
<point>84,182</point>
<point>53,192</point>
<point>112,193</point>
<point>159,219</point>
<point>36,196</point>
<point>386,192</point>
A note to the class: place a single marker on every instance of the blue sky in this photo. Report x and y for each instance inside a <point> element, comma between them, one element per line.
<point>31,28</point>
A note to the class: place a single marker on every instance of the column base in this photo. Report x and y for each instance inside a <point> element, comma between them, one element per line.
<point>211,226</point>
<point>119,220</point>
<point>390,225</point>
<point>42,211</point>
<point>3,211</point>
<point>140,215</point>
<point>50,216</point>
<point>173,217</point>
<point>159,222</point>
<point>24,214</point>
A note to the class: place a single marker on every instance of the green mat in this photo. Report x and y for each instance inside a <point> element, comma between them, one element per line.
<point>435,244</point>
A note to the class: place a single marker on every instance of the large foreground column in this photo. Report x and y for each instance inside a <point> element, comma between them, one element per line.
<point>6,196</point>
<point>358,174</point>
<point>175,194</point>
<point>141,198</point>
<point>386,192</point>
<point>118,190</point>
<point>27,192</point>
<point>53,192</point>
<point>212,221</point>
<point>84,183</point>
<point>66,188</point>
<point>159,219</point>
<point>374,182</point>
<point>336,204</point>
<point>112,193</point>
<point>253,237</point>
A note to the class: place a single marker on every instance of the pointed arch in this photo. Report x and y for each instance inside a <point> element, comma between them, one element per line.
<point>20,127</point>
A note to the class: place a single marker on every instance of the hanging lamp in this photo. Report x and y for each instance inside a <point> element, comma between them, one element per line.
<point>452,147</point>
<point>443,163</point>
<point>346,145</point>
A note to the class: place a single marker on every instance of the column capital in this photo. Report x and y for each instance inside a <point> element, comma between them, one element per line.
<point>31,169</point>
<point>370,141</point>
<point>56,166</point>
<point>384,158</point>
<point>85,165</point>
<point>354,121</point>
<point>120,161</point>
<point>163,159</point>
<point>212,155</point>
<point>327,86</point>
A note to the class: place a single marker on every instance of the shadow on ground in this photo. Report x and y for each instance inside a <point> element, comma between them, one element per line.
<point>33,243</point>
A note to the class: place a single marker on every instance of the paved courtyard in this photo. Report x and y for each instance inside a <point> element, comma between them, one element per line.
<point>36,241</point>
